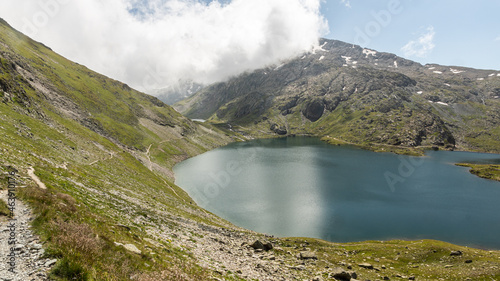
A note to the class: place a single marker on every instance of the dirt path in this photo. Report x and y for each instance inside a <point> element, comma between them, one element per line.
<point>111,155</point>
<point>149,158</point>
<point>31,173</point>
<point>21,259</point>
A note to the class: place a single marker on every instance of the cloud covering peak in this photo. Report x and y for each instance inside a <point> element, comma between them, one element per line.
<point>152,44</point>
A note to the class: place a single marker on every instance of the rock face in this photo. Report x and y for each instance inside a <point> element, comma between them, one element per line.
<point>360,96</point>
<point>314,110</point>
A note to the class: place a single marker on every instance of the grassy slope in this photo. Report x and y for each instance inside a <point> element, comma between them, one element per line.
<point>88,174</point>
<point>101,190</point>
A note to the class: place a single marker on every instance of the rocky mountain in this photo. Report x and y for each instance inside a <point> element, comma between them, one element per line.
<point>87,193</point>
<point>350,94</point>
<point>175,93</point>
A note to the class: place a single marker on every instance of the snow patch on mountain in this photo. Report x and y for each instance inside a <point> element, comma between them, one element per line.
<point>369,52</point>
<point>456,71</point>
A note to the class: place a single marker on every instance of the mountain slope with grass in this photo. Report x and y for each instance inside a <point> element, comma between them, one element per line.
<point>104,152</point>
<point>349,94</point>
<point>89,162</point>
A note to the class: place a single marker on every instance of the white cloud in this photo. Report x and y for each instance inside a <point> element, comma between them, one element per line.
<point>346,3</point>
<point>154,43</point>
<point>497,39</point>
<point>422,46</point>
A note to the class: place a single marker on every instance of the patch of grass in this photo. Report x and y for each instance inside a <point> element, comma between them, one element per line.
<point>4,209</point>
<point>487,171</point>
<point>396,259</point>
<point>66,269</point>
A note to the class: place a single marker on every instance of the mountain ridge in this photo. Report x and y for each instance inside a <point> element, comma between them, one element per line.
<point>367,91</point>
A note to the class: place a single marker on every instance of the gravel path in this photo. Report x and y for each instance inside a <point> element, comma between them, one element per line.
<point>22,259</point>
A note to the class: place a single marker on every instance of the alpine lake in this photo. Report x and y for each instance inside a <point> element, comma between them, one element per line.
<point>303,187</point>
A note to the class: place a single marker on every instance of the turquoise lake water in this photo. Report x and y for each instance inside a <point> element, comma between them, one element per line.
<point>302,187</point>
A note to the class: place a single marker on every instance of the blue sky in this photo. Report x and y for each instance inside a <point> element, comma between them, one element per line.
<point>464,33</point>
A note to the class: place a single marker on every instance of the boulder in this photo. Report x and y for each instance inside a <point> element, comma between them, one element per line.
<point>456,253</point>
<point>258,245</point>
<point>365,265</point>
<point>308,255</point>
<point>340,274</point>
<point>268,246</point>
<point>129,247</point>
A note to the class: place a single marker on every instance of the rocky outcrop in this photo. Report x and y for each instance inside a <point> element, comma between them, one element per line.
<point>280,130</point>
<point>314,110</point>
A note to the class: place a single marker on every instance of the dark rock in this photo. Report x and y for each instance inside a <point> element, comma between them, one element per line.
<point>268,246</point>
<point>468,261</point>
<point>456,253</point>
<point>124,227</point>
<point>314,110</point>
<point>280,130</point>
<point>258,245</point>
